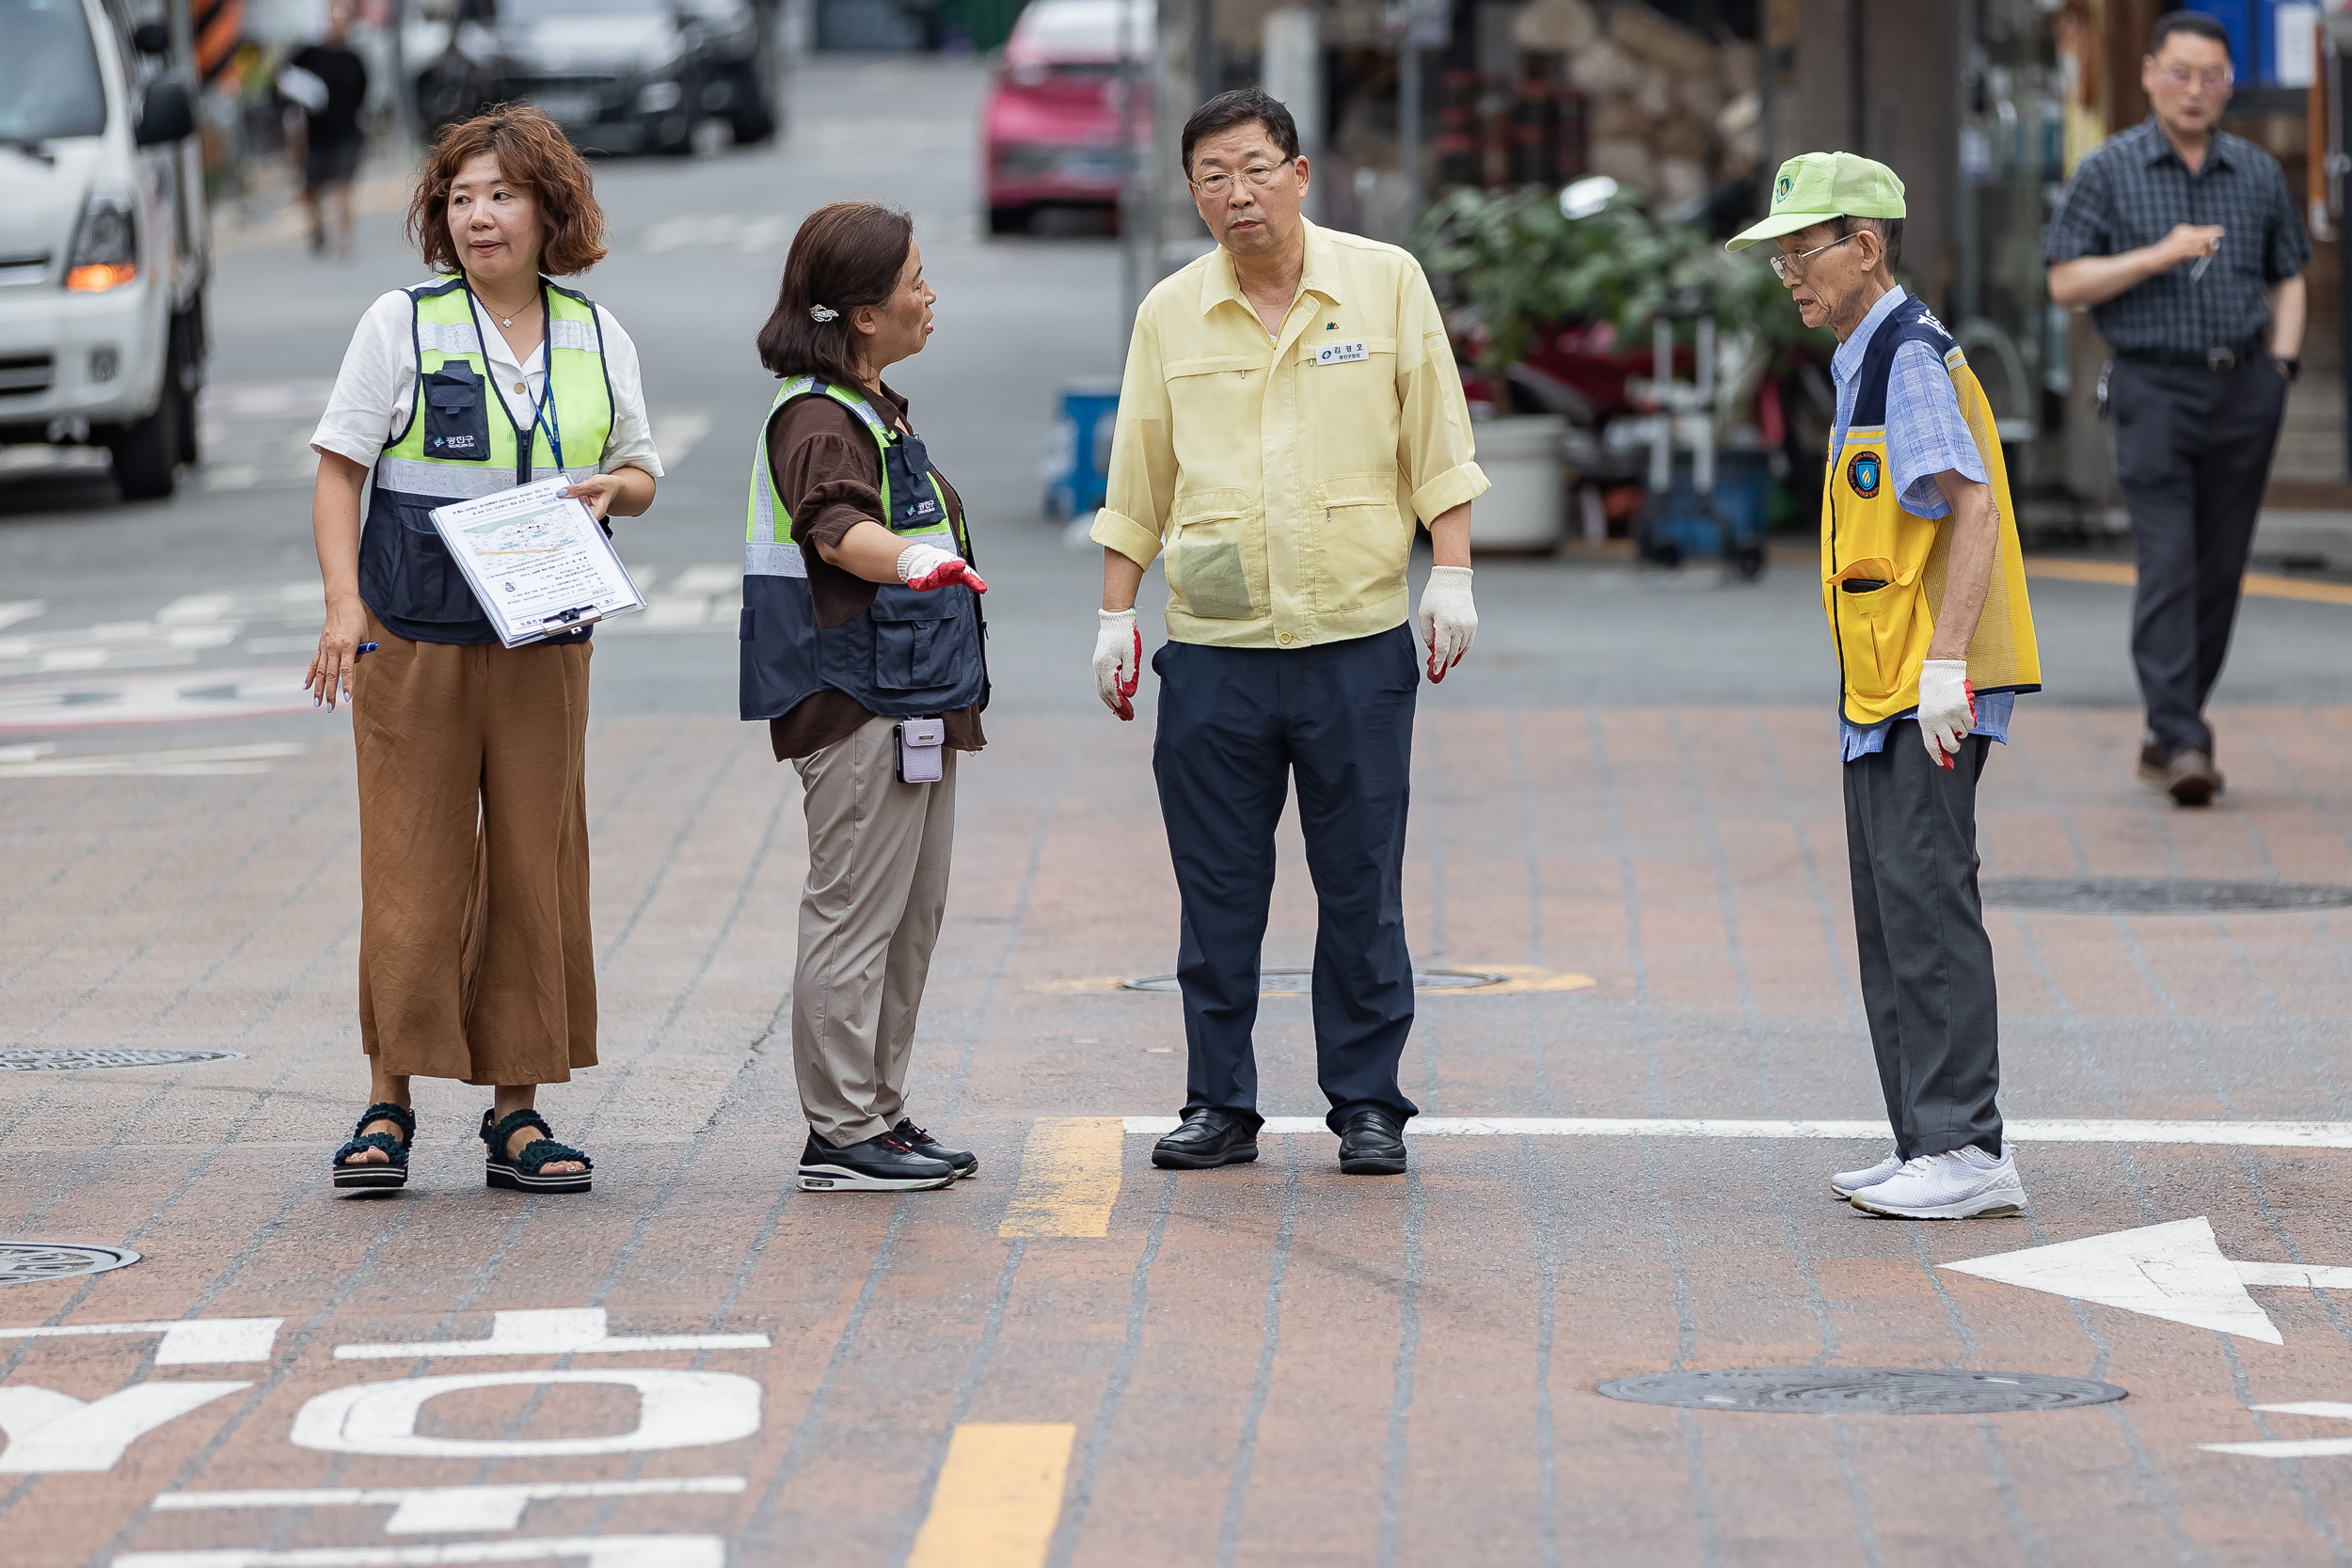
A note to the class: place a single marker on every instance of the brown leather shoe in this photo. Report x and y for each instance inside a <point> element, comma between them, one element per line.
<point>2152,762</point>
<point>2189,778</point>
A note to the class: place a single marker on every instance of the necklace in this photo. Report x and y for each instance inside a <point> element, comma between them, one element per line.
<point>506,318</point>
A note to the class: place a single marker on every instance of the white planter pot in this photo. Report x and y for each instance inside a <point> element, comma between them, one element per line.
<point>1527,509</point>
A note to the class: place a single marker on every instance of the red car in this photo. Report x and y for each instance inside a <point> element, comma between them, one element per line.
<point>1051,127</point>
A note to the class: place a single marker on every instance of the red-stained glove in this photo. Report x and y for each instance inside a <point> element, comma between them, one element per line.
<point>925,568</point>
<point>1118,660</point>
<point>1948,707</point>
<point>1449,618</point>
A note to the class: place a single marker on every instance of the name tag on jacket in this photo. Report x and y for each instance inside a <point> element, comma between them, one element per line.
<point>1344,354</point>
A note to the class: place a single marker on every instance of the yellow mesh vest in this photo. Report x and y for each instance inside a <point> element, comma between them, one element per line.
<point>1882,633</point>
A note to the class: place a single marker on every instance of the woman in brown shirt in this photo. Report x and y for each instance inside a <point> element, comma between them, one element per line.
<point>862,648</point>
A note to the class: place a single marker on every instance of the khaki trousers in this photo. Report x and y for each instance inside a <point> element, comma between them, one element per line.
<point>475,957</point>
<point>877,853</point>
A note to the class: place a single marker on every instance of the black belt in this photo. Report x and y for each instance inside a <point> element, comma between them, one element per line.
<point>2229,358</point>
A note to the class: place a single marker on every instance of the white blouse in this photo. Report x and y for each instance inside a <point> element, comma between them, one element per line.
<point>376,391</point>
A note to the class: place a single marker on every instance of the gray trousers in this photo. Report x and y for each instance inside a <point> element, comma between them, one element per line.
<point>878,854</point>
<point>1927,964</point>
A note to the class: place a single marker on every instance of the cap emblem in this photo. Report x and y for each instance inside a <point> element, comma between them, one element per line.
<point>1781,190</point>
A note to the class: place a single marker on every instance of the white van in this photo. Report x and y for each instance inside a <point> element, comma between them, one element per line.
<point>103,247</point>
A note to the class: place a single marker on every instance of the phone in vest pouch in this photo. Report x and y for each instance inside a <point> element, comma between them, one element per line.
<point>921,746</point>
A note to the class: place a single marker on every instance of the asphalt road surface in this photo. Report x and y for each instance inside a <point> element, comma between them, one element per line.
<point>1639,1051</point>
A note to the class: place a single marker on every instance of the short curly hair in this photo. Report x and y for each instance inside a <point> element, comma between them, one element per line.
<point>533,152</point>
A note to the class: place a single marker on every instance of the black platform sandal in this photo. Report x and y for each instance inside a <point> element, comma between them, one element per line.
<point>371,1175</point>
<point>525,1172</point>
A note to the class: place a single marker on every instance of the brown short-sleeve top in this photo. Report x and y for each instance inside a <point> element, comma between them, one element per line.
<point>827,475</point>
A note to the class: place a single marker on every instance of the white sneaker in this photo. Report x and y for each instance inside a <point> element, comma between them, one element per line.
<point>1965,1183</point>
<point>1845,1184</point>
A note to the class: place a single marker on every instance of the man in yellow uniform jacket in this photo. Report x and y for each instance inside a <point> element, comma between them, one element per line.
<point>1925,589</point>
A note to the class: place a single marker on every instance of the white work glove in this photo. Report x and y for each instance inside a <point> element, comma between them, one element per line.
<point>1118,660</point>
<point>1448,617</point>
<point>925,568</point>
<point>1948,707</point>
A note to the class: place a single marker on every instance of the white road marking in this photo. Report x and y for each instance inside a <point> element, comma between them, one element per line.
<point>2303,1447</point>
<point>675,1410</point>
<point>423,1509</point>
<point>13,611</point>
<point>149,698</point>
<point>2227,1134</point>
<point>677,433</point>
<point>2173,1270</point>
<point>187,1342</point>
<point>50,1433</point>
<point>193,763</point>
<point>607,1551</point>
<point>560,1331</point>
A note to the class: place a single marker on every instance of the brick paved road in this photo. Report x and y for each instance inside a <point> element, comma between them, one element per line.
<point>1264,1364</point>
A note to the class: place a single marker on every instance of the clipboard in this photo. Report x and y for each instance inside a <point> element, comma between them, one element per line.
<point>537,561</point>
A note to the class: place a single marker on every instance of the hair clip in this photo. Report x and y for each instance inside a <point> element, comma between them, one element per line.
<point>822,314</point>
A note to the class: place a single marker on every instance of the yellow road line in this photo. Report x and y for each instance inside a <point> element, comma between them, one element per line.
<point>999,1494</point>
<point>2260,585</point>
<point>1069,1178</point>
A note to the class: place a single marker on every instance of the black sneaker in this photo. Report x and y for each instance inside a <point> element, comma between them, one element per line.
<point>962,1162</point>
<point>880,1164</point>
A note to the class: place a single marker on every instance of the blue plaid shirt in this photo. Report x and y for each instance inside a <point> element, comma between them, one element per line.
<point>1925,437</point>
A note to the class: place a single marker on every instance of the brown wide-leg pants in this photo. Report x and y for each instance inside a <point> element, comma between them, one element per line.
<point>475,957</point>
<point>878,858</point>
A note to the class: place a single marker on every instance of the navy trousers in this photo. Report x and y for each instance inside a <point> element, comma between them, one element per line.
<point>1235,724</point>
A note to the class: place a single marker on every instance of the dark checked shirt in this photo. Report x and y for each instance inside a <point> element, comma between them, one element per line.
<point>2132,192</point>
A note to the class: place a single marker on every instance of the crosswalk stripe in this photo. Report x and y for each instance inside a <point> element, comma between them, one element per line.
<point>1069,1178</point>
<point>999,1496</point>
<point>2218,1135</point>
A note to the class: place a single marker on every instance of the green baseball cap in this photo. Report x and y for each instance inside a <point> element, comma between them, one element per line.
<point>1815,187</point>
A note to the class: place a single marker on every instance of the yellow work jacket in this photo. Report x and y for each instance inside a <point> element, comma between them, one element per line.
<point>1867,537</point>
<point>1282,474</point>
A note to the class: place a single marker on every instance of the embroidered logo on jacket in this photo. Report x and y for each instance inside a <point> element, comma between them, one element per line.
<point>1863,474</point>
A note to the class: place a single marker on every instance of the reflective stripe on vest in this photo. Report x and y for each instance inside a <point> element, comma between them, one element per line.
<point>1882,633</point>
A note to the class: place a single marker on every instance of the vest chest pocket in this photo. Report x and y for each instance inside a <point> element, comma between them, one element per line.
<point>456,416</point>
<point>916,638</point>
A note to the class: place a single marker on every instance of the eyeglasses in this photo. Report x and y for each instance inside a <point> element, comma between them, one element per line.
<point>1216,188</point>
<point>1787,268</point>
<point>2213,79</point>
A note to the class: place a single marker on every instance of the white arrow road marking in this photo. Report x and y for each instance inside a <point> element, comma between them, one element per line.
<point>561,1331</point>
<point>422,1510</point>
<point>2308,1447</point>
<point>2228,1134</point>
<point>189,1343</point>
<point>611,1551</point>
<point>2173,1270</point>
<point>49,1432</point>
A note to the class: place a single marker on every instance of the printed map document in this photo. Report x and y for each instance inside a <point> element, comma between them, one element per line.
<point>537,561</point>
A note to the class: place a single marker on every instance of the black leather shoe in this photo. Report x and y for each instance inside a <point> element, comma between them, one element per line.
<point>1208,1138</point>
<point>962,1162</point>
<point>1371,1143</point>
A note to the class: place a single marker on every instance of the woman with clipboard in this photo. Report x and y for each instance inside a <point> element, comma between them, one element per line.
<point>475,958</point>
<point>862,648</point>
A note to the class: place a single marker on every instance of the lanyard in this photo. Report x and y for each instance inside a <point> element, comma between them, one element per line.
<point>543,406</point>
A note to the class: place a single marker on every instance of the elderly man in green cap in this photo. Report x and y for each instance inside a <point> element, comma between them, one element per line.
<point>1925,589</point>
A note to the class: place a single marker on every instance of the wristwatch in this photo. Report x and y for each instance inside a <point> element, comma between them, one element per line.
<point>2290,366</point>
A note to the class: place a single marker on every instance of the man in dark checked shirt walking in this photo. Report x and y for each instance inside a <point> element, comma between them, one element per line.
<point>2185,245</point>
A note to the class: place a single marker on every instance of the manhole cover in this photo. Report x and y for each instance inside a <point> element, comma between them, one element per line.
<point>1299,982</point>
<point>25,1263</point>
<point>1861,1390</point>
<point>2157,894</point>
<point>45,1059</point>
